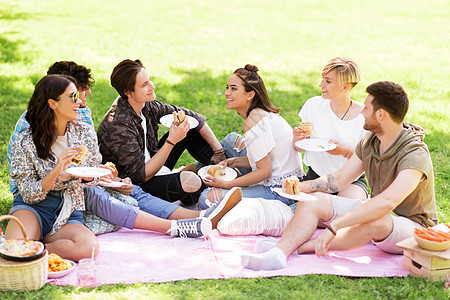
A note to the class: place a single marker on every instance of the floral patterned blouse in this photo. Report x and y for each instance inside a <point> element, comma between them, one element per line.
<point>28,170</point>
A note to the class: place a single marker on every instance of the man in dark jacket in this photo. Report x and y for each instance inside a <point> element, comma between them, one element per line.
<point>128,137</point>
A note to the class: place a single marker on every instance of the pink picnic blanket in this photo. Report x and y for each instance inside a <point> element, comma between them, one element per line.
<point>130,256</point>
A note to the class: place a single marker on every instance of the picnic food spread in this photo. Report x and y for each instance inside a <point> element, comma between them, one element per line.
<point>291,185</point>
<point>216,171</point>
<point>178,117</point>
<point>432,238</point>
<point>20,247</point>
<point>432,234</point>
<point>56,263</point>
<point>307,127</point>
<point>111,165</point>
<point>81,156</point>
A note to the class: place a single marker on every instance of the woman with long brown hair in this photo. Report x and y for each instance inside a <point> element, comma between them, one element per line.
<point>268,141</point>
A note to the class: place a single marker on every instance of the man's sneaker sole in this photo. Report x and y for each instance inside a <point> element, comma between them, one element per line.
<point>225,205</point>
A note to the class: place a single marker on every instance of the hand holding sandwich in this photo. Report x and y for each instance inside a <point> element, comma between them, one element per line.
<point>178,132</point>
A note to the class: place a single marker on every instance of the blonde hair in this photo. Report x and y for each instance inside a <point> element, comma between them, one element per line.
<point>347,70</point>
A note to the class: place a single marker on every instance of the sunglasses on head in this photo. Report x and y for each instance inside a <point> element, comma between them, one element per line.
<point>74,97</point>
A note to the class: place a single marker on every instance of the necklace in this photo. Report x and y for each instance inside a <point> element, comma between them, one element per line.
<point>347,110</point>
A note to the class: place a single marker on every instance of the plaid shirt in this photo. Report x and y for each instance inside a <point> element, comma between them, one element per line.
<point>84,115</point>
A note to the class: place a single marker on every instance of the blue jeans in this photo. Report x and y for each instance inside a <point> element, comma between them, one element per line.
<point>229,146</point>
<point>117,212</point>
<point>256,191</point>
<point>47,210</point>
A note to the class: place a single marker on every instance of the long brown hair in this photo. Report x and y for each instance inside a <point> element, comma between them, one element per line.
<point>41,117</point>
<point>253,82</point>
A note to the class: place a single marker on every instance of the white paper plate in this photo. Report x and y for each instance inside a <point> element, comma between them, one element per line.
<point>112,184</point>
<point>63,272</point>
<point>230,174</point>
<point>88,171</point>
<point>315,145</point>
<point>299,197</point>
<point>167,121</point>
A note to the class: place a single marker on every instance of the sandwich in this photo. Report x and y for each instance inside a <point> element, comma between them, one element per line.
<point>291,185</point>
<point>111,165</point>
<point>307,127</point>
<point>216,171</point>
<point>178,117</point>
<point>81,156</point>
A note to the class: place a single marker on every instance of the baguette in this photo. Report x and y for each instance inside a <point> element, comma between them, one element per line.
<point>216,171</point>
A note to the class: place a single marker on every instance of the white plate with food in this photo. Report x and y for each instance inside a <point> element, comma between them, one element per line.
<point>167,121</point>
<point>315,145</point>
<point>88,171</point>
<point>112,183</point>
<point>299,197</point>
<point>65,262</point>
<point>226,174</point>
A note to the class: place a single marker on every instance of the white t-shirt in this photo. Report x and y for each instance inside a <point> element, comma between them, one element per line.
<point>328,126</point>
<point>60,144</point>
<point>164,170</point>
<point>273,135</point>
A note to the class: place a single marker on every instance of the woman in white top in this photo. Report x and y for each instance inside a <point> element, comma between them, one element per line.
<point>268,141</point>
<point>335,118</point>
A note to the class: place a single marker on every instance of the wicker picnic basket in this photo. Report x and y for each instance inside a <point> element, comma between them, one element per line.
<point>23,275</point>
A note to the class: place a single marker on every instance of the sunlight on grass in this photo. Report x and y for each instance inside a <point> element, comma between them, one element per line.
<point>191,47</point>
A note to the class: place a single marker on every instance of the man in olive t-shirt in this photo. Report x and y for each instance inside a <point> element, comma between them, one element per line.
<point>399,170</point>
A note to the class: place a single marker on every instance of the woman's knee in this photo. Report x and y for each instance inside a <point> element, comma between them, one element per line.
<point>30,223</point>
<point>233,142</point>
<point>210,197</point>
<point>85,244</point>
<point>190,182</point>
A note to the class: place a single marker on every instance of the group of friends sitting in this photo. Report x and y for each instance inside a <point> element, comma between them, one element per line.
<point>371,141</point>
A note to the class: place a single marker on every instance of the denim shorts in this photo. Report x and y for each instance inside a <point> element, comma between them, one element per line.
<point>46,211</point>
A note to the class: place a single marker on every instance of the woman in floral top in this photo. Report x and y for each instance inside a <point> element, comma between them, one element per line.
<point>50,201</point>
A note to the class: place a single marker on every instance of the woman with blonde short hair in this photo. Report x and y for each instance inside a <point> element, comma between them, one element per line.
<point>336,118</point>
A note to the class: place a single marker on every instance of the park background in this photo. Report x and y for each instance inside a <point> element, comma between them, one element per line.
<point>191,47</point>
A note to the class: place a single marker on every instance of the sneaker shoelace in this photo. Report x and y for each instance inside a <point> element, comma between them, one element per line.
<point>185,228</point>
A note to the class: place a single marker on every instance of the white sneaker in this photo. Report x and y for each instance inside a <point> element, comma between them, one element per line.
<point>216,212</point>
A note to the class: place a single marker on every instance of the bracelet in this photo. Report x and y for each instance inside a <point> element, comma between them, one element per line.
<point>219,151</point>
<point>169,142</point>
<point>348,153</point>
<point>330,229</point>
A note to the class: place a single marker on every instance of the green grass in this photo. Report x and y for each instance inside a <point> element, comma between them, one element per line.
<point>191,47</point>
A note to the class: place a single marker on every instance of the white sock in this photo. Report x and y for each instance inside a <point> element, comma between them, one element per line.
<point>173,232</point>
<point>264,245</point>
<point>273,259</point>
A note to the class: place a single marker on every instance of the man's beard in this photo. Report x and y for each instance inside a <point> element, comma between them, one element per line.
<point>373,126</point>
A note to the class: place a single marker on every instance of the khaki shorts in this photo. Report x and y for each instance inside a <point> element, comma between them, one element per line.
<point>403,228</point>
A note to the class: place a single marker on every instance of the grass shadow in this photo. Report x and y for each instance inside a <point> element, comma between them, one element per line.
<point>10,51</point>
